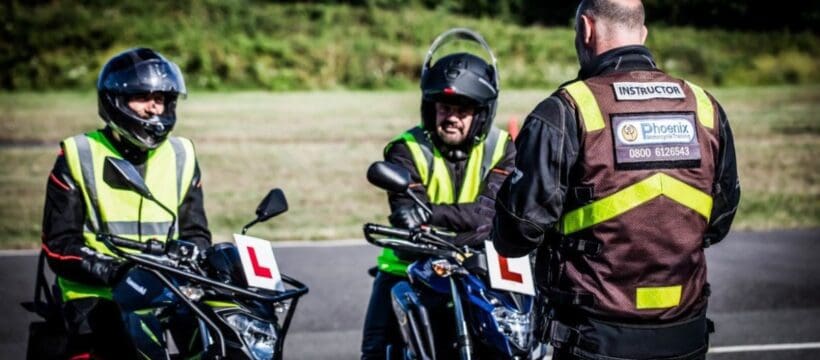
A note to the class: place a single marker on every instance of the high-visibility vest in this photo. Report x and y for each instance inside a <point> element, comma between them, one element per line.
<point>641,194</point>
<point>169,171</point>
<point>436,178</point>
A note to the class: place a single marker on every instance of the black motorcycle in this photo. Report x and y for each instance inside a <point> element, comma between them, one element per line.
<point>447,308</point>
<point>202,295</point>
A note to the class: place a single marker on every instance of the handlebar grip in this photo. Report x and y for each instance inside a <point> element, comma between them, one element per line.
<point>375,229</point>
<point>122,242</point>
<point>152,247</point>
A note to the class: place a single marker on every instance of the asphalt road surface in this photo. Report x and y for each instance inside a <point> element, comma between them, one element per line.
<point>765,301</point>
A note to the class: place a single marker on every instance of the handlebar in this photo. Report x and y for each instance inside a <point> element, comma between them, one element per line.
<point>376,229</point>
<point>152,247</point>
<point>422,241</point>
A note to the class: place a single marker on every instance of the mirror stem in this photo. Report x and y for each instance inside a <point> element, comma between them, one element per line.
<point>173,219</point>
<point>246,227</point>
<point>419,202</point>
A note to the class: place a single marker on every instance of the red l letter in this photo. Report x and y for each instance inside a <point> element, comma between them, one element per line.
<point>508,274</point>
<point>259,270</point>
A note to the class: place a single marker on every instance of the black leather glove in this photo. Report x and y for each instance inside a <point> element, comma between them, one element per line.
<point>409,217</point>
<point>106,269</point>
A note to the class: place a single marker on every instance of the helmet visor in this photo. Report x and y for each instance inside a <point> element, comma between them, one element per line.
<point>152,75</point>
<point>461,83</point>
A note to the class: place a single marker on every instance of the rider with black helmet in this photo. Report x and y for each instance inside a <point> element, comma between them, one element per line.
<point>137,95</point>
<point>457,160</point>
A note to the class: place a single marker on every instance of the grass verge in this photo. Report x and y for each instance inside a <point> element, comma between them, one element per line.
<point>317,145</point>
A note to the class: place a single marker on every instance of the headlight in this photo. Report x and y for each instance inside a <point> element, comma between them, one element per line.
<point>259,336</point>
<point>514,325</point>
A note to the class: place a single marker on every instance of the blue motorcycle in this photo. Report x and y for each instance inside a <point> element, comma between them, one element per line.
<point>446,309</point>
<point>178,303</point>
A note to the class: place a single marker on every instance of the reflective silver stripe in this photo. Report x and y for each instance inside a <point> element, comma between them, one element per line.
<point>179,153</point>
<point>426,148</point>
<point>489,149</point>
<point>87,168</point>
<point>135,227</point>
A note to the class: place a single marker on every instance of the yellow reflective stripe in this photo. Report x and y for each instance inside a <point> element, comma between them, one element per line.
<point>657,297</point>
<point>587,105</point>
<point>418,155</point>
<point>440,188</point>
<point>188,168</point>
<point>706,111</point>
<point>472,175</point>
<point>72,158</point>
<point>635,195</point>
<point>500,146</point>
<point>687,195</point>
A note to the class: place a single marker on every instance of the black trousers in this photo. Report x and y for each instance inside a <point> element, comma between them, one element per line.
<point>95,327</point>
<point>380,325</point>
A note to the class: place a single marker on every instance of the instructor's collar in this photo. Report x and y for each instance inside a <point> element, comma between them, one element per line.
<point>632,57</point>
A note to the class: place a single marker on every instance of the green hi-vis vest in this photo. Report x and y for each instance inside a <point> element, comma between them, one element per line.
<point>436,177</point>
<point>169,171</point>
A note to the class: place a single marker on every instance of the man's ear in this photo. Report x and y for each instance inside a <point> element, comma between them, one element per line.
<point>644,34</point>
<point>588,25</point>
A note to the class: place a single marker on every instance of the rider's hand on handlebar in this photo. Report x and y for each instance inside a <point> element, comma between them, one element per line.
<point>409,217</point>
<point>107,269</point>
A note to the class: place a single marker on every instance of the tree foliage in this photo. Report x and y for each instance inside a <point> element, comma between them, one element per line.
<point>364,44</point>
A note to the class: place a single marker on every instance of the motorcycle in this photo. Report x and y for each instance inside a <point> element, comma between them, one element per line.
<point>171,281</point>
<point>446,309</point>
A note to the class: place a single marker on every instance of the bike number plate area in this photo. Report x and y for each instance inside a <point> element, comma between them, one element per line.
<point>510,274</point>
<point>259,263</point>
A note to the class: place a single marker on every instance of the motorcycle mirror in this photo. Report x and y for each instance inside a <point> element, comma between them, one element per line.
<point>121,174</point>
<point>387,176</point>
<point>273,204</point>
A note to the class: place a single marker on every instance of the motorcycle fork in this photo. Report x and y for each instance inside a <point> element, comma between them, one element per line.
<point>465,346</point>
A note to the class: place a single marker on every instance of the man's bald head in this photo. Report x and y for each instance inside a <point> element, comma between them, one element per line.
<point>602,25</point>
<point>626,14</point>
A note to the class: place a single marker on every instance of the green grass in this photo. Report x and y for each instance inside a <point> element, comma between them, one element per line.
<point>317,145</point>
<point>242,44</point>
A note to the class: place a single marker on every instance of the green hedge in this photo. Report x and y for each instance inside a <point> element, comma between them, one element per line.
<point>236,44</point>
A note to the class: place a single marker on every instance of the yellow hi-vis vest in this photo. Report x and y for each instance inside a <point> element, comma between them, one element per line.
<point>436,177</point>
<point>169,171</point>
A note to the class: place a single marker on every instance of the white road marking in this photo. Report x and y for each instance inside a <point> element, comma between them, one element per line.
<point>763,347</point>
<point>752,348</point>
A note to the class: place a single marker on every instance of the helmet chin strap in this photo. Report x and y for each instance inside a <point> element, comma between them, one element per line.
<point>452,152</point>
<point>132,152</point>
<point>456,154</point>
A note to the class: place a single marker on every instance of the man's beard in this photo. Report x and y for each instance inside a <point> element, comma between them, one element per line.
<point>451,139</point>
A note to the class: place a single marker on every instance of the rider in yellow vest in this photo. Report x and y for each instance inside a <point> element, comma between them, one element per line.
<point>137,95</point>
<point>623,177</point>
<point>455,157</point>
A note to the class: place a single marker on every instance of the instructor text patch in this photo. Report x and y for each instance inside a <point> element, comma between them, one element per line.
<point>648,90</point>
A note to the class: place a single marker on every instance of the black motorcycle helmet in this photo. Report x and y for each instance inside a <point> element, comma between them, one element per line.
<point>460,78</point>
<point>139,71</point>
